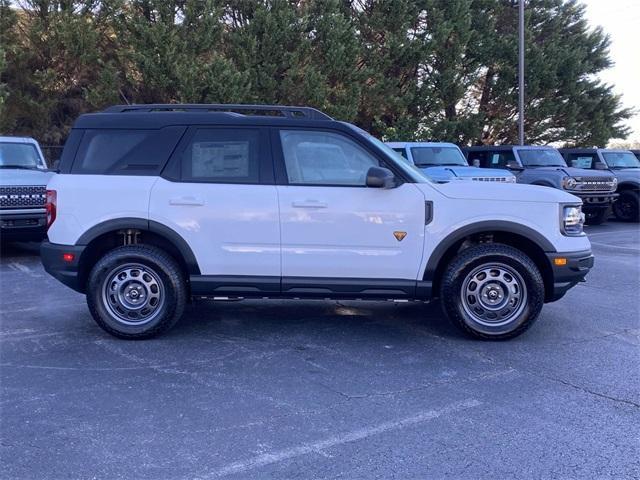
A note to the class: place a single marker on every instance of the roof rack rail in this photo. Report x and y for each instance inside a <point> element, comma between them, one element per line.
<point>283,110</point>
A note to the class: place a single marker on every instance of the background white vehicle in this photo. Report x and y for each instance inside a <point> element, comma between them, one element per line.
<point>443,162</point>
<point>23,180</point>
<point>153,206</point>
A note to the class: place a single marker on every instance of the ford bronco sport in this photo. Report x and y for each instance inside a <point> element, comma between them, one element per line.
<point>444,162</point>
<point>23,180</point>
<point>156,204</point>
<point>624,165</point>
<point>536,165</point>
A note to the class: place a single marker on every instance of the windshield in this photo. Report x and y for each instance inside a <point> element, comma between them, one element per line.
<point>547,157</point>
<point>438,156</point>
<point>411,170</point>
<point>621,160</point>
<point>19,155</point>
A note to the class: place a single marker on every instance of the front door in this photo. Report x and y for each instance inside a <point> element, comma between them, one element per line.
<point>337,234</point>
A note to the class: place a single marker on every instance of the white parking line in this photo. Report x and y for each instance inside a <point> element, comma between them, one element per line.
<point>612,232</point>
<point>318,447</point>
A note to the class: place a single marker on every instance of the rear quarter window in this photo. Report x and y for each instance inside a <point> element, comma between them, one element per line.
<point>125,152</point>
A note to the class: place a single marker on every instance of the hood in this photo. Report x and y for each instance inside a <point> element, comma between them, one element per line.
<point>511,192</point>
<point>18,176</point>
<point>627,175</point>
<point>576,172</point>
<point>447,173</point>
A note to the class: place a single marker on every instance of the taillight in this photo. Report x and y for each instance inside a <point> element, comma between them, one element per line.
<point>52,201</point>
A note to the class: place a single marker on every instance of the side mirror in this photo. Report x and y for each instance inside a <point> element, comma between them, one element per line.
<point>513,165</point>
<point>476,162</point>
<point>378,177</point>
<point>600,166</point>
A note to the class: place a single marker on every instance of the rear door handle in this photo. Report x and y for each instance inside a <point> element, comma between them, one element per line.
<point>309,204</point>
<point>186,201</point>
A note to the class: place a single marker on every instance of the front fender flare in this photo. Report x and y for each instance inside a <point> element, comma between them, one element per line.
<point>480,227</point>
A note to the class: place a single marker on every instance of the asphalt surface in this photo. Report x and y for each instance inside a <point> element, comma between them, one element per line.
<point>273,389</point>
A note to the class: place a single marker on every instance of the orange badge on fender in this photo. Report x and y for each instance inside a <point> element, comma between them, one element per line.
<point>399,235</point>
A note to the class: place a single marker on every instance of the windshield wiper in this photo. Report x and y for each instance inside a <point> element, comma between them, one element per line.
<point>543,165</point>
<point>453,165</point>
<point>21,167</point>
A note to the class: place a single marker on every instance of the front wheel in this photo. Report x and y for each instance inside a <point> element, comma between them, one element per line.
<point>596,217</point>
<point>627,207</point>
<point>136,292</point>
<point>492,291</point>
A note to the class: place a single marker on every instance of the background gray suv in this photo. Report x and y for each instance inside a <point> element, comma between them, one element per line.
<point>624,165</point>
<point>545,166</point>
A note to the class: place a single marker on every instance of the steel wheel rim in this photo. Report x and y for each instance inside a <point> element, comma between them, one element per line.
<point>133,294</point>
<point>493,294</point>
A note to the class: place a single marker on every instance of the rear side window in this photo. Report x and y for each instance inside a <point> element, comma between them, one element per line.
<point>222,155</point>
<point>125,152</point>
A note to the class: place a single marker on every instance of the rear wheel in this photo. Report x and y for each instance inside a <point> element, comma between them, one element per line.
<point>136,292</point>
<point>492,291</point>
<point>627,207</point>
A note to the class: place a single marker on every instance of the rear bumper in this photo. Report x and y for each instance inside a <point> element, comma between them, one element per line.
<point>66,272</point>
<point>578,264</point>
<point>23,226</point>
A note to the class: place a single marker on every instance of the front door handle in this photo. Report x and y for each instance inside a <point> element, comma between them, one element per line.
<point>309,204</point>
<point>186,201</point>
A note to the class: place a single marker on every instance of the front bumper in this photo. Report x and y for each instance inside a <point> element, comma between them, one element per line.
<point>54,264</point>
<point>24,226</point>
<point>566,276</point>
<point>595,200</point>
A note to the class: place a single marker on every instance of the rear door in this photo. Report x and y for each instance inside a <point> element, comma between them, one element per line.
<point>338,236</point>
<point>218,194</point>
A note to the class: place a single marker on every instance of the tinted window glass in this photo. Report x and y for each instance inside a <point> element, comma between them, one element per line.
<point>582,160</point>
<point>401,151</point>
<point>125,152</point>
<point>101,150</point>
<point>220,155</point>
<point>324,158</point>
<point>432,156</point>
<point>498,159</point>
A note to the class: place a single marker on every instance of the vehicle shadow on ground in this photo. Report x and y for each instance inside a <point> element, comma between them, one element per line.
<point>315,317</point>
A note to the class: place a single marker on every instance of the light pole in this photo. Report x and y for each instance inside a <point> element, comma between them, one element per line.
<point>521,72</point>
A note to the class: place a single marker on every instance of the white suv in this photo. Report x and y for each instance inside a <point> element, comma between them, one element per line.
<point>156,204</point>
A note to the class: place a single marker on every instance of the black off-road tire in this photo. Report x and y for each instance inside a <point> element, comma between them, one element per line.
<point>477,257</point>
<point>627,207</point>
<point>597,217</point>
<point>167,274</point>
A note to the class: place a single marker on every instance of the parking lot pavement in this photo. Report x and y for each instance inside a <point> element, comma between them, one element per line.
<point>314,389</point>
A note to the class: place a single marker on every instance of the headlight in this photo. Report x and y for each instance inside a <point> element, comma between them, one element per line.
<point>569,183</point>
<point>511,179</point>
<point>615,182</point>
<point>572,220</point>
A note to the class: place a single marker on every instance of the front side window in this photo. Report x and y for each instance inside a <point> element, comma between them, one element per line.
<point>324,158</point>
<point>401,151</point>
<point>582,160</point>
<point>541,158</point>
<point>621,160</point>
<point>437,156</point>
<point>500,159</point>
<point>19,155</point>
<point>220,155</point>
